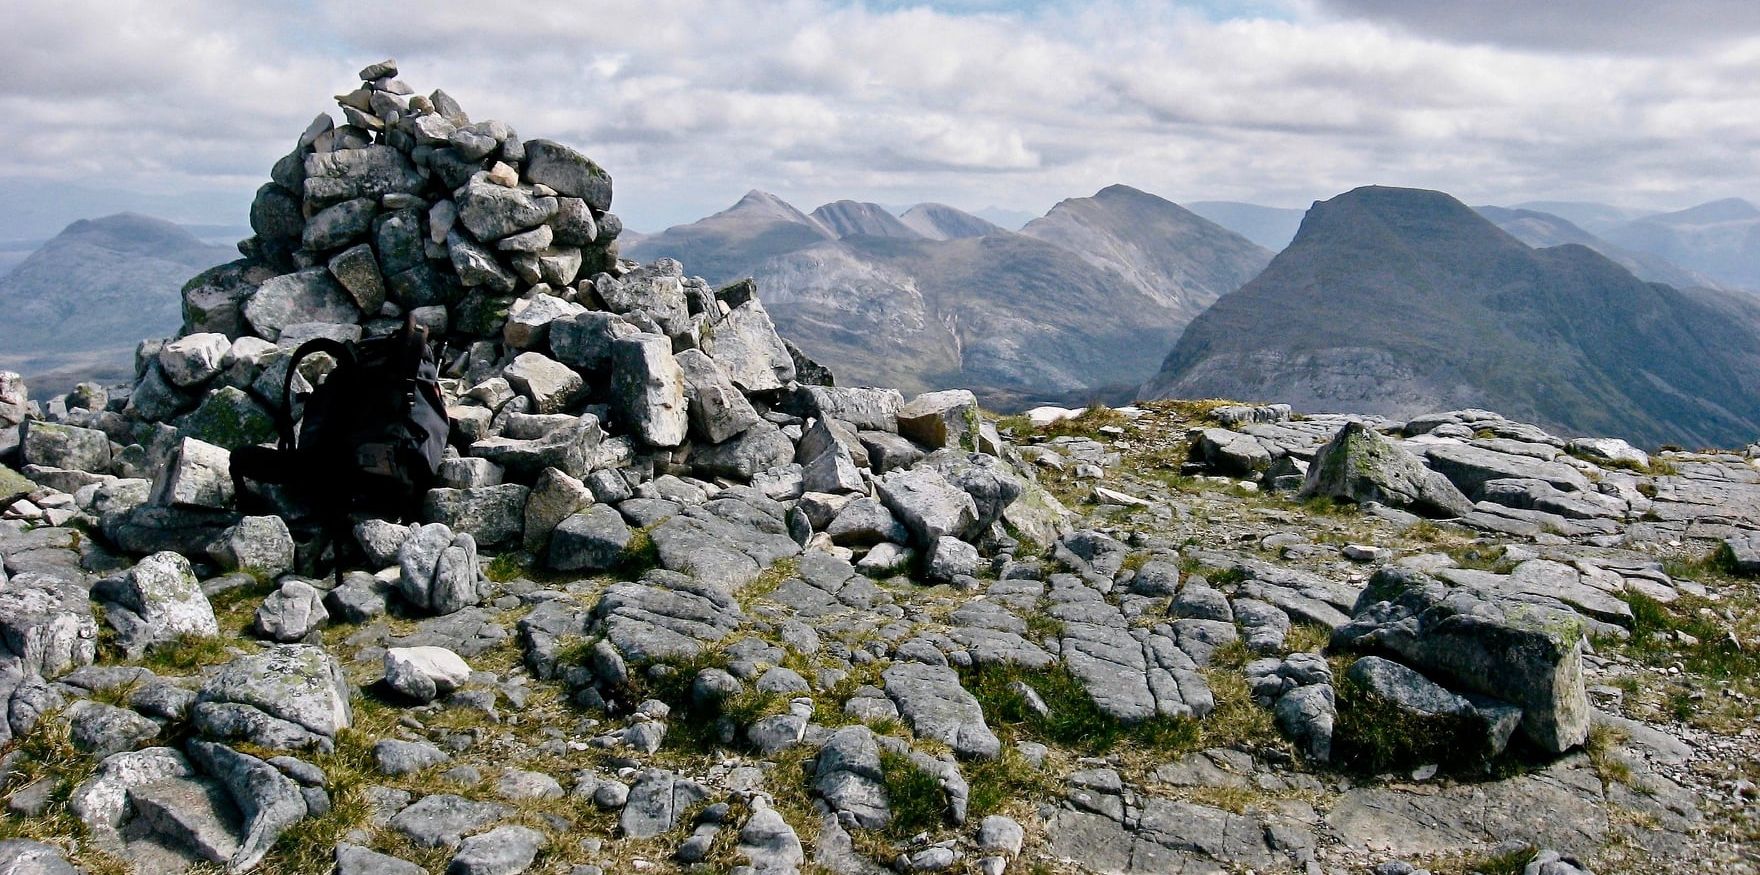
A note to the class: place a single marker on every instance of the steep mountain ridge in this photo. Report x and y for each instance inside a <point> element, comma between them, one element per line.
<point>1172,255</point>
<point>1081,306</point>
<point>1540,230</point>
<point>1395,301</point>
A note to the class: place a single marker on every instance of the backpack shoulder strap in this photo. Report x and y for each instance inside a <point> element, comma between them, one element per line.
<point>344,355</point>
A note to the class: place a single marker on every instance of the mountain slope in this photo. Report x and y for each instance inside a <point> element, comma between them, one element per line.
<point>102,282</point>
<point>942,222</point>
<point>1720,239</point>
<point>1270,227</point>
<point>1172,255</point>
<point>1540,230</point>
<point>723,247</point>
<point>1398,301</point>
<point>1083,306</point>
<point>853,218</point>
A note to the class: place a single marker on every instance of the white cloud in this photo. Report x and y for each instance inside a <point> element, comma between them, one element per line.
<point>691,102</point>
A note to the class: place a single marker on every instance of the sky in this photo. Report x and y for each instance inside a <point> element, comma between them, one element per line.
<point>179,107</point>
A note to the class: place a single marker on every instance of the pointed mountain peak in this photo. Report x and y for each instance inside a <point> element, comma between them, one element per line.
<point>942,222</point>
<point>847,218</point>
<point>762,204</point>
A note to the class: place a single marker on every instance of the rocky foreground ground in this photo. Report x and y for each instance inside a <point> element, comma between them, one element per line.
<point>681,604</point>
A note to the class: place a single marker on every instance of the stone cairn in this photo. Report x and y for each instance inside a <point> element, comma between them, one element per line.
<point>606,416</point>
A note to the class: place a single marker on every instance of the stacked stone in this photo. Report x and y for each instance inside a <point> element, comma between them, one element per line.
<point>576,382</point>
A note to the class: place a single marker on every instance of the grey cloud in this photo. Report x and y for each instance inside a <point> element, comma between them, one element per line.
<point>1620,26</point>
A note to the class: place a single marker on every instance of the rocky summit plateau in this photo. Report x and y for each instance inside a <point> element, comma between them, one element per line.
<point>681,603</point>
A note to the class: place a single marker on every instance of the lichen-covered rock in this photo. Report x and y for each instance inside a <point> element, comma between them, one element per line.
<point>647,389</point>
<point>1517,652</point>
<point>162,592</point>
<point>288,697</point>
<point>424,673</point>
<point>947,418</point>
<point>1360,465</point>
<point>438,570</point>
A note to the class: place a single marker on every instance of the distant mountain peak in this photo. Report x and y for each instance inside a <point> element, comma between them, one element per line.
<point>1729,209</point>
<point>942,222</point>
<point>762,204</point>
<point>848,218</point>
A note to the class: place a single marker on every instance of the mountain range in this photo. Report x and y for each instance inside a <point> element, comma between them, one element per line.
<point>1084,299</point>
<point>81,302</point>
<point>1400,301</point>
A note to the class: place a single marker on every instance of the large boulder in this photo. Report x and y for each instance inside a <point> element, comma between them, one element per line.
<point>438,571</point>
<point>1475,641</point>
<point>198,475</point>
<point>287,697</point>
<point>165,602</point>
<point>718,410</point>
<point>1361,465</point>
<point>592,540</point>
<point>648,390</point>
<point>927,504</point>
<point>46,625</point>
<point>310,295</point>
<point>947,418</point>
<point>56,445</point>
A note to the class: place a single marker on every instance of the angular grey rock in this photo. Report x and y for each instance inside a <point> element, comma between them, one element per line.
<point>647,389</point>
<point>769,844</point>
<point>193,359</point>
<point>102,800</point>
<point>299,685</point>
<point>442,820</point>
<point>46,625</point>
<point>491,212</point>
<point>1422,699</point>
<point>163,593</point>
<point>994,488</point>
<point>504,850</point>
<point>591,540</point>
<point>864,409</point>
<point>381,540</point>
<point>198,475</point>
<point>950,558</point>
<point>998,834</point>
<point>491,515</point>
<point>718,410</point>
<point>848,777</point>
<point>477,266</point>
<point>927,504</point>
<point>357,270</point>
<point>528,323</point>
<point>425,673</point>
<point>438,570</point>
<point>27,857</point>
<point>931,700</point>
<point>395,757</point>
<point>745,344</point>
<point>1527,656</point>
<point>570,173</point>
<point>656,801</point>
<point>338,224</point>
<point>551,385</point>
<point>865,522</point>
<point>292,612</point>
<point>947,418</point>
<point>1230,452</point>
<point>584,340</point>
<point>655,292</point>
<point>56,445</point>
<point>261,544</point>
<point>1610,451</point>
<point>832,472</point>
<point>760,448</point>
<point>571,447</point>
<point>356,860</point>
<point>268,801</point>
<point>1470,467</point>
<point>554,497</point>
<point>1361,465</point>
<point>194,814</point>
<point>309,295</point>
<point>102,730</point>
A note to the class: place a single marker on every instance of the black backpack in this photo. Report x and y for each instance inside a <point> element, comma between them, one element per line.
<point>371,434</point>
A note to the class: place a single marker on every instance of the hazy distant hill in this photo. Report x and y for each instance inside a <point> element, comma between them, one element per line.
<point>1270,227</point>
<point>942,222</point>
<point>1084,302</point>
<point>725,246</point>
<point>1171,254</point>
<point>1540,230</point>
<point>1398,301</point>
<point>854,218</point>
<point>1720,239</point>
<point>88,295</point>
<point>1596,218</point>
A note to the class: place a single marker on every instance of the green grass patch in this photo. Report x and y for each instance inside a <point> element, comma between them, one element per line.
<point>188,653</point>
<point>640,555</point>
<point>1372,735</point>
<point>1072,720</point>
<point>504,568</point>
<point>914,796</point>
